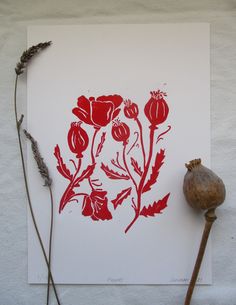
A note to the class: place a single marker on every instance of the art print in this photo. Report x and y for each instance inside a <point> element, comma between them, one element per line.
<point>118,110</point>
<point>100,112</point>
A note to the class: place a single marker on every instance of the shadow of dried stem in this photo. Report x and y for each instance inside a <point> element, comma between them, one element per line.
<point>20,68</point>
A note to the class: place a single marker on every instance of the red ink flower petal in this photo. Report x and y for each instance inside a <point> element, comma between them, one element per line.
<point>98,112</point>
<point>87,207</point>
<point>83,110</point>
<point>101,114</point>
<point>95,206</point>
<point>115,113</point>
<point>83,103</point>
<point>82,115</point>
<point>115,99</point>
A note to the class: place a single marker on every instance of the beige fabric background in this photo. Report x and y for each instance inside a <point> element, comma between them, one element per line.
<point>15,16</point>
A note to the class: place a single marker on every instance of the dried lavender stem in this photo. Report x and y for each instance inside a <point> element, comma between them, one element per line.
<point>18,124</point>
<point>44,172</point>
<point>50,243</point>
<point>210,218</point>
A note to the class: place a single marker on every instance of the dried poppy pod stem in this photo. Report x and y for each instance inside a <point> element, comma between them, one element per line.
<point>203,190</point>
<point>210,218</point>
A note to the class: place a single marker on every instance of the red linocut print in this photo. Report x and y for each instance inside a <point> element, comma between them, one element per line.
<point>138,178</point>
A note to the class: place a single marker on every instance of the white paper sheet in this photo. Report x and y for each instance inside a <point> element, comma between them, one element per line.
<point>130,61</point>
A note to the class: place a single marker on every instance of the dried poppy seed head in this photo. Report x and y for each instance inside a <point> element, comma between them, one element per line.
<point>202,188</point>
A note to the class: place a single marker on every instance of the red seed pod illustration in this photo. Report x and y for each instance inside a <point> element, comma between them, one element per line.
<point>120,131</point>
<point>131,109</point>
<point>77,139</point>
<point>156,109</point>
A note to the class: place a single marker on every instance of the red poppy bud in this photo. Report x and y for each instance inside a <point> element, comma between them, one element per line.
<point>77,139</point>
<point>156,109</point>
<point>130,110</point>
<point>120,132</point>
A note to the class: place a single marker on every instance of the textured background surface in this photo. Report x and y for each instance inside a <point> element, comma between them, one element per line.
<point>15,17</point>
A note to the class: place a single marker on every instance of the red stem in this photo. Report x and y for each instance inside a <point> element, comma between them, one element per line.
<point>90,183</point>
<point>69,188</point>
<point>143,178</point>
<point>92,146</point>
<point>141,140</point>
<point>162,134</point>
<point>142,181</point>
<point>127,169</point>
<point>64,198</point>
<point>92,153</point>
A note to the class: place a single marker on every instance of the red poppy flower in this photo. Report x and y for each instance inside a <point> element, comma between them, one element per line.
<point>95,206</point>
<point>98,112</point>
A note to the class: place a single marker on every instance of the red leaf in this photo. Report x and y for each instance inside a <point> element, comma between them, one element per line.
<point>67,196</point>
<point>121,197</point>
<point>136,167</point>
<point>112,174</point>
<point>155,208</point>
<point>61,167</point>
<point>100,145</point>
<point>155,171</point>
<point>85,174</point>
